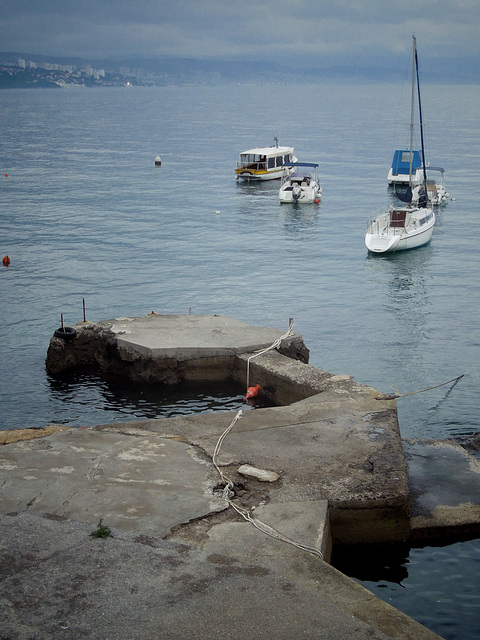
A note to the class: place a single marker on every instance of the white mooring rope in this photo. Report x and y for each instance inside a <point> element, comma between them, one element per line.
<point>397,394</point>
<point>276,344</point>
<point>245,513</point>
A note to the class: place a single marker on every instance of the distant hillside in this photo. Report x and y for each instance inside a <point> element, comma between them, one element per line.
<point>165,70</point>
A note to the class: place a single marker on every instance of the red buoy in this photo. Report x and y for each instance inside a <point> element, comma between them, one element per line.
<point>6,261</point>
<point>252,392</point>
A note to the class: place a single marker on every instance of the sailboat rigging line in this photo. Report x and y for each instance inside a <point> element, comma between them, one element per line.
<point>411,393</point>
<point>227,494</point>
<point>420,113</point>
<point>276,344</point>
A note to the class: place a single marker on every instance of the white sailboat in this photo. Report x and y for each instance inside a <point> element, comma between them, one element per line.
<point>408,227</point>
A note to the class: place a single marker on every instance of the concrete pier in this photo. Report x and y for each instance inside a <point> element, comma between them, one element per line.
<point>180,562</point>
<point>331,439</point>
<point>328,468</point>
<point>166,348</point>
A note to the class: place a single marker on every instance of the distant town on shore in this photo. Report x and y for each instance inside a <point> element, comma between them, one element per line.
<point>40,72</point>
<point>20,70</point>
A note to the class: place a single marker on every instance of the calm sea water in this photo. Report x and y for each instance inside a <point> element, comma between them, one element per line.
<point>85,215</point>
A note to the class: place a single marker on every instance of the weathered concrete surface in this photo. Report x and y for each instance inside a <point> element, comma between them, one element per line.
<point>57,582</point>
<point>334,441</point>
<point>86,476</point>
<point>166,348</point>
<point>214,576</point>
<point>327,450</point>
<point>285,380</point>
<point>444,482</point>
<point>178,546</point>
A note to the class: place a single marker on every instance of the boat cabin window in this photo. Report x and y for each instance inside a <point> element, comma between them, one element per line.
<point>246,158</point>
<point>425,219</point>
<point>253,161</point>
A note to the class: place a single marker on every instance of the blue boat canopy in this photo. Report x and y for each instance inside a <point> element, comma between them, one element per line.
<point>401,161</point>
<point>300,164</point>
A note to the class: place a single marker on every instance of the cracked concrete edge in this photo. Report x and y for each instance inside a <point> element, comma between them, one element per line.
<point>17,435</point>
<point>241,540</point>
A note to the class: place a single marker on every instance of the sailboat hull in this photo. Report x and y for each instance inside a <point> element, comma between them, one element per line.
<point>399,230</point>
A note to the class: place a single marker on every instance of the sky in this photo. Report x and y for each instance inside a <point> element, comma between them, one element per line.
<point>313,32</point>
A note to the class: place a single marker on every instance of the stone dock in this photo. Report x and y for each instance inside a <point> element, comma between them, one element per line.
<point>222,524</point>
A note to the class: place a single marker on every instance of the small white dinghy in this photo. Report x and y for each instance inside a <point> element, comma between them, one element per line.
<point>300,183</point>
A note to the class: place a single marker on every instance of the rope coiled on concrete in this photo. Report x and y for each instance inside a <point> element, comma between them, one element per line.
<point>245,513</point>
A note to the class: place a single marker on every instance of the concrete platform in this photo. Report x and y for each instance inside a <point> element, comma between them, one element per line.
<point>179,564</point>
<point>183,562</point>
<point>331,450</point>
<point>166,348</point>
<point>189,337</point>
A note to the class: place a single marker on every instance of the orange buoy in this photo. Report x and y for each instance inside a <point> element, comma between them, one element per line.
<point>252,392</point>
<point>6,261</point>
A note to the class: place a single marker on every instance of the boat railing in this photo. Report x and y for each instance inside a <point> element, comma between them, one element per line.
<point>384,227</point>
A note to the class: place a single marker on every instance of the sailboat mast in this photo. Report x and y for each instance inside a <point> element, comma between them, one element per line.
<point>420,114</point>
<point>412,107</point>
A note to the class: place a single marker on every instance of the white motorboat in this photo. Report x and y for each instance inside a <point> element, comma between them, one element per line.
<point>264,163</point>
<point>436,191</point>
<point>409,227</point>
<point>300,183</point>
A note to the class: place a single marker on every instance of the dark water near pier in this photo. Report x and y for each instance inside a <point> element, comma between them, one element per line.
<point>86,215</point>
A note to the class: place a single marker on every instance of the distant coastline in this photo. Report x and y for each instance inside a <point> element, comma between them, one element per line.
<point>25,73</point>
<point>24,70</point>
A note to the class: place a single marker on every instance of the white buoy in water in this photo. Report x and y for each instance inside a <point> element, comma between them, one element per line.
<point>158,161</point>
